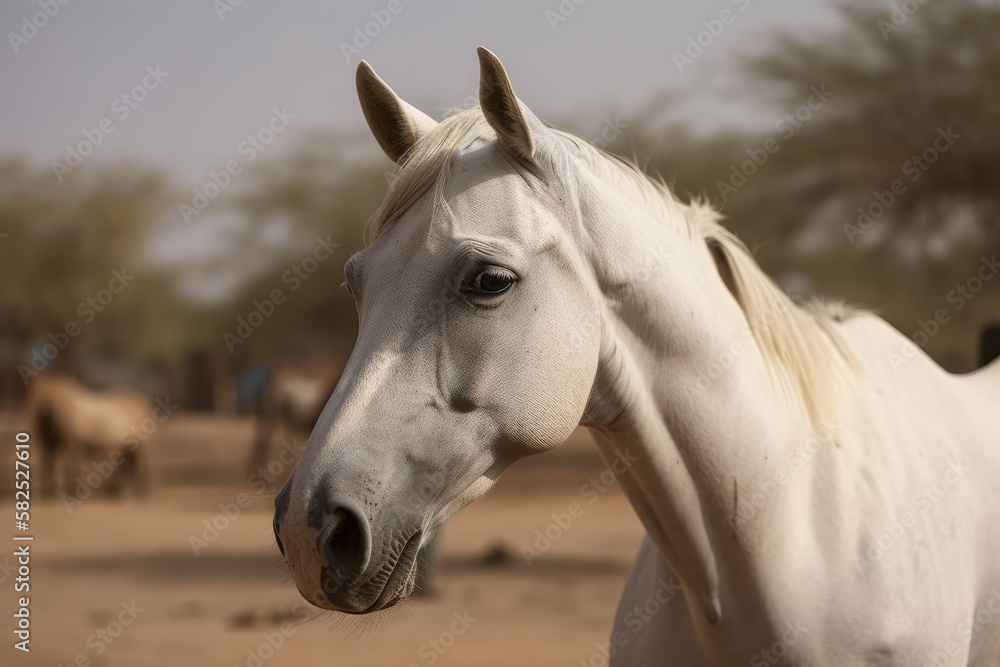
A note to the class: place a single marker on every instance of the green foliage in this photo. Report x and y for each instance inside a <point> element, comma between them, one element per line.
<point>64,243</point>
<point>318,196</point>
<point>896,81</point>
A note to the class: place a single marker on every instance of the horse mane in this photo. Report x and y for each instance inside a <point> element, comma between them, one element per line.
<point>800,346</point>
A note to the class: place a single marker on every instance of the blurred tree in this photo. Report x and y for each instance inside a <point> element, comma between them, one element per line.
<point>876,181</point>
<point>914,102</point>
<point>72,266</point>
<point>298,206</point>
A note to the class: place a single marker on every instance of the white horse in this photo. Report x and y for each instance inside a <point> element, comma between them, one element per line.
<point>825,493</point>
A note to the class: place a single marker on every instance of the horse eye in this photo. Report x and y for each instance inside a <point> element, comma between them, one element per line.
<point>492,281</point>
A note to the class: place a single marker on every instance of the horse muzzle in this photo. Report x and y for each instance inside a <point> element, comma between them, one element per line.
<point>332,558</point>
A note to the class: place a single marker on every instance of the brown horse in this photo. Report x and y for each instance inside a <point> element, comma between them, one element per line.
<point>80,427</point>
<point>292,397</point>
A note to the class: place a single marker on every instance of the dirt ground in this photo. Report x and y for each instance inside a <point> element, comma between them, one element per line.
<point>116,582</point>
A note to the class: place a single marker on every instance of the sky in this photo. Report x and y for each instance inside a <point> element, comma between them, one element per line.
<point>200,77</point>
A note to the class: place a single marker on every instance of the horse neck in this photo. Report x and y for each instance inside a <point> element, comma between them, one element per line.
<point>684,396</point>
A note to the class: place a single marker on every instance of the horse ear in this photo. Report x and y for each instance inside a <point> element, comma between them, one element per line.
<point>395,124</point>
<point>507,115</point>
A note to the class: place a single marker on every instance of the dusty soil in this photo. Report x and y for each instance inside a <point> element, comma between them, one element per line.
<point>125,561</point>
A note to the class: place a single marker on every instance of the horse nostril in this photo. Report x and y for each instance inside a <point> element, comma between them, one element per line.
<point>345,545</point>
<point>280,509</point>
<point>277,536</point>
